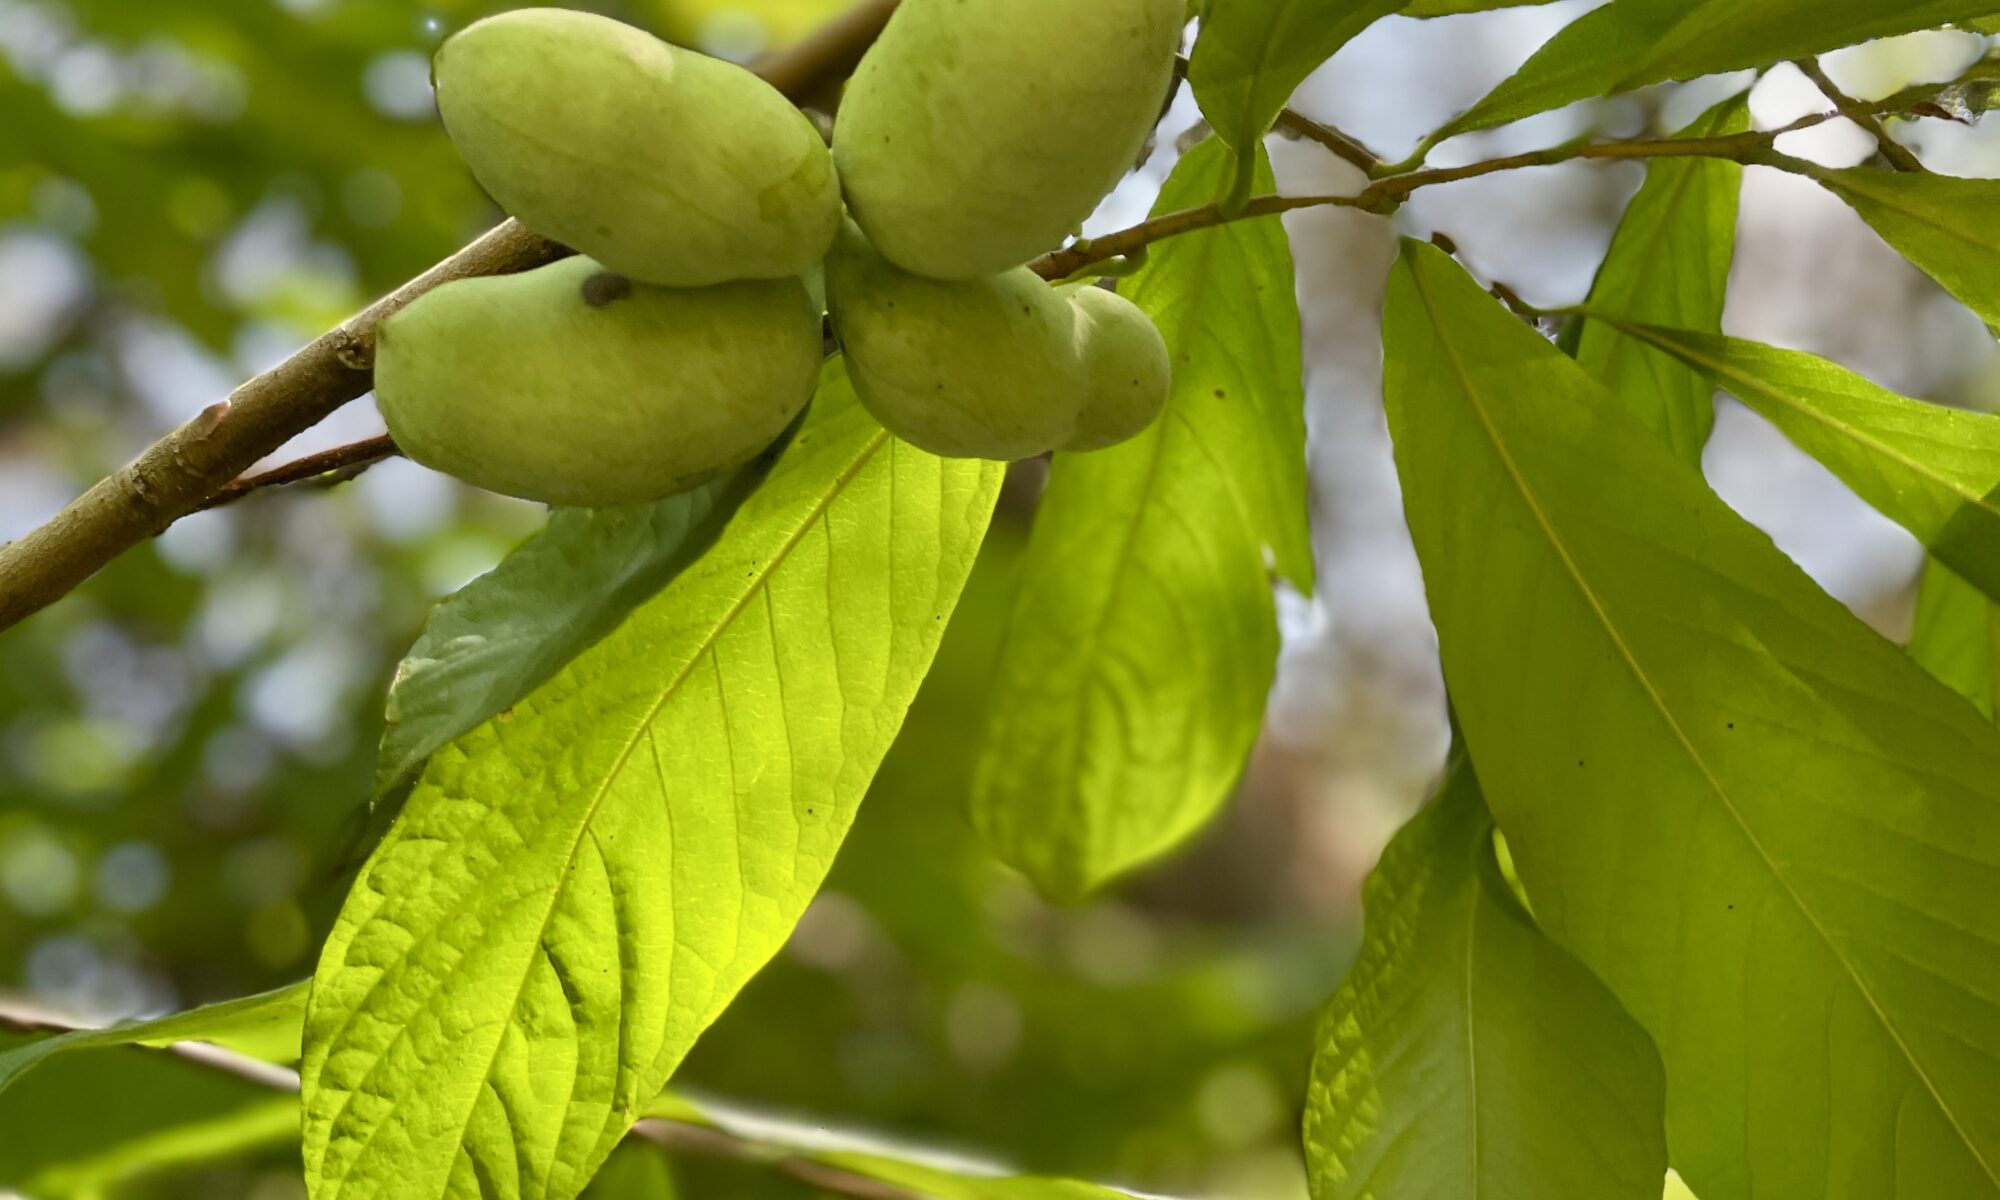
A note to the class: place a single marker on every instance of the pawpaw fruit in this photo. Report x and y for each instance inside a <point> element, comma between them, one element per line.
<point>665,165</point>
<point>980,368</point>
<point>573,385</point>
<point>1128,368</point>
<point>976,134</point>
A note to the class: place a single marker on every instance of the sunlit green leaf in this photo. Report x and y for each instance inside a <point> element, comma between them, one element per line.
<point>1631,43</point>
<point>1467,1055</point>
<point>1767,829</point>
<point>1957,634</point>
<point>508,631</point>
<point>1143,640</point>
<point>1941,223</point>
<point>1669,265</point>
<point>264,1027</point>
<point>577,888</point>
<point>1251,56</point>
<point>1933,470</point>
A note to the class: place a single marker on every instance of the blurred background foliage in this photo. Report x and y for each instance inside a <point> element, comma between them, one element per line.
<point>191,189</point>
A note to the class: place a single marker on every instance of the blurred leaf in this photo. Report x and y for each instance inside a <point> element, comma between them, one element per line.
<point>1466,1054</point>
<point>1957,634</point>
<point>264,1027</point>
<point>1933,470</point>
<point>1632,43</point>
<point>1669,265</point>
<point>505,633</point>
<point>94,1118</point>
<point>259,1125</point>
<point>1251,55</point>
<point>921,1172</point>
<point>575,890</point>
<point>1447,8</point>
<point>1143,640</point>
<point>633,1172</point>
<point>1942,224</point>
<point>1767,829</point>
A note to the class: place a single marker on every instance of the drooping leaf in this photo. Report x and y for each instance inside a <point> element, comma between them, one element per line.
<point>1631,43</point>
<point>507,631</point>
<point>1669,265</point>
<point>905,1168</point>
<point>1143,639</point>
<point>576,889</point>
<point>1467,1055</point>
<point>1942,224</point>
<point>1957,634</point>
<point>264,1027</point>
<point>1933,470</point>
<point>1765,827</point>
<point>1251,56</point>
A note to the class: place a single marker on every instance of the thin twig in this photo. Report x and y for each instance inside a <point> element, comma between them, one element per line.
<point>1384,195</point>
<point>178,474</point>
<point>1333,139</point>
<point>687,1138</point>
<point>324,469</point>
<point>1899,155</point>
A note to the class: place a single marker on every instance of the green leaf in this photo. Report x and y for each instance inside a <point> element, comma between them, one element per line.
<point>1251,56</point>
<point>569,585</point>
<point>906,1169</point>
<point>1941,223</point>
<point>1766,828</point>
<point>1452,8</point>
<point>1103,749</point>
<point>1632,43</point>
<point>1957,635</point>
<point>633,1172</point>
<point>262,1124</point>
<point>1933,470</point>
<point>1669,265</point>
<point>264,1026</point>
<point>578,887</point>
<point>1467,1055</point>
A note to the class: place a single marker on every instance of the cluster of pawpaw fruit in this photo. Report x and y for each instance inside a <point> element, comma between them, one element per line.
<point>684,339</point>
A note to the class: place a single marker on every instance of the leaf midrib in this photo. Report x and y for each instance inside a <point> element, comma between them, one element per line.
<point>694,656</point>
<point>1659,704</point>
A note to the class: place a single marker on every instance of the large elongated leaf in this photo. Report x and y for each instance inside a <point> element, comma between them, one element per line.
<point>1632,43</point>
<point>1933,470</point>
<point>1772,833</point>
<point>1669,265</point>
<point>578,887</point>
<point>1466,1055</point>
<point>1957,635</point>
<point>1143,640</point>
<point>569,585</point>
<point>1941,223</point>
<point>1253,54</point>
<point>264,1026</point>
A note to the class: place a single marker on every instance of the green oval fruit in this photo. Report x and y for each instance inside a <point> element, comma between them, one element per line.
<point>663,164</point>
<point>977,133</point>
<point>1130,374</point>
<point>573,385</point>
<point>983,368</point>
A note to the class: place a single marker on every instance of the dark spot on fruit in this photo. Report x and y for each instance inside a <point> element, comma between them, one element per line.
<point>605,287</point>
